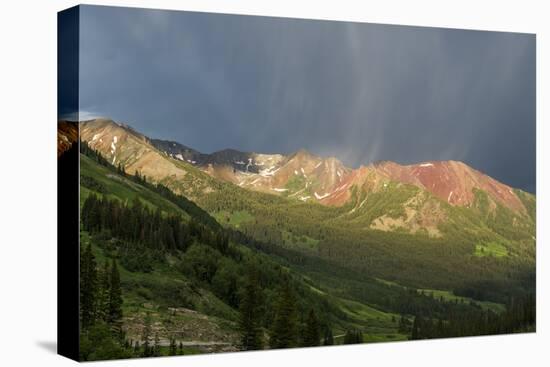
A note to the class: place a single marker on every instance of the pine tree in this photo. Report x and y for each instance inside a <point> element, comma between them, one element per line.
<point>115,298</point>
<point>284,333</point>
<point>88,288</point>
<point>156,347</point>
<point>353,337</point>
<point>359,336</point>
<point>348,337</point>
<point>136,348</point>
<point>329,338</point>
<point>403,325</point>
<point>415,329</point>
<point>146,336</point>
<point>250,314</point>
<point>440,329</point>
<point>92,218</point>
<point>103,293</point>
<point>172,350</point>
<point>311,334</point>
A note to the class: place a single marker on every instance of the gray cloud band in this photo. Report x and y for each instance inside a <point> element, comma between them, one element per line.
<point>361,92</point>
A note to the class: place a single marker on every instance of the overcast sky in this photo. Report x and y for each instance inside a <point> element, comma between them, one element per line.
<point>360,92</point>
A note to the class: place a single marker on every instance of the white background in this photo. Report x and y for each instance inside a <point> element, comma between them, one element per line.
<point>28,182</point>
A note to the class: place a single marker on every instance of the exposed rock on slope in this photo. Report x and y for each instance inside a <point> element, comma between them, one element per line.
<point>451,181</point>
<point>67,135</point>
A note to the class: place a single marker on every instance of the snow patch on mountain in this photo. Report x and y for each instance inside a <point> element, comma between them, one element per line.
<point>319,197</point>
<point>113,146</point>
<point>267,159</point>
<point>268,171</point>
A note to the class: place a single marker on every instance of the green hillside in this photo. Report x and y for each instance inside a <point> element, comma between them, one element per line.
<point>269,272</point>
<point>450,261</point>
<point>166,287</point>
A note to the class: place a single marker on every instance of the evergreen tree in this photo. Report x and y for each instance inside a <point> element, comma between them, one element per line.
<point>115,297</point>
<point>359,336</point>
<point>136,348</point>
<point>284,331</point>
<point>415,329</point>
<point>173,349</point>
<point>103,293</point>
<point>440,329</point>
<point>146,336</point>
<point>250,314</point>
<point>156,346</point>
<point>404,325</point>
<point>329,338</point>
<point>353,337</point>
<point>311,334</point>
<point>348,337</point>
<point>88,288</point>
<point>92,218</point>
<point>97,343</point>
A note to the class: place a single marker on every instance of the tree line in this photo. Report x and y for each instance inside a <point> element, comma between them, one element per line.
<point>520,316</point>
<point>136,224</point>
<point>100,308</point>
<point>182,202</point>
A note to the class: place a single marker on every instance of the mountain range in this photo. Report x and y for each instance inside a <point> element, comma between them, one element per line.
<point>365,218</point>
<point>305,177</point>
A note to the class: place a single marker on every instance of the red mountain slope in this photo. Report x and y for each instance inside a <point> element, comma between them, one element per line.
<point>451,181</point>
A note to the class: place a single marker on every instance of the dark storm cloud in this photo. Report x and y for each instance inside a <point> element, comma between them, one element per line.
<point>67,56</point>
<point>361,92</point>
